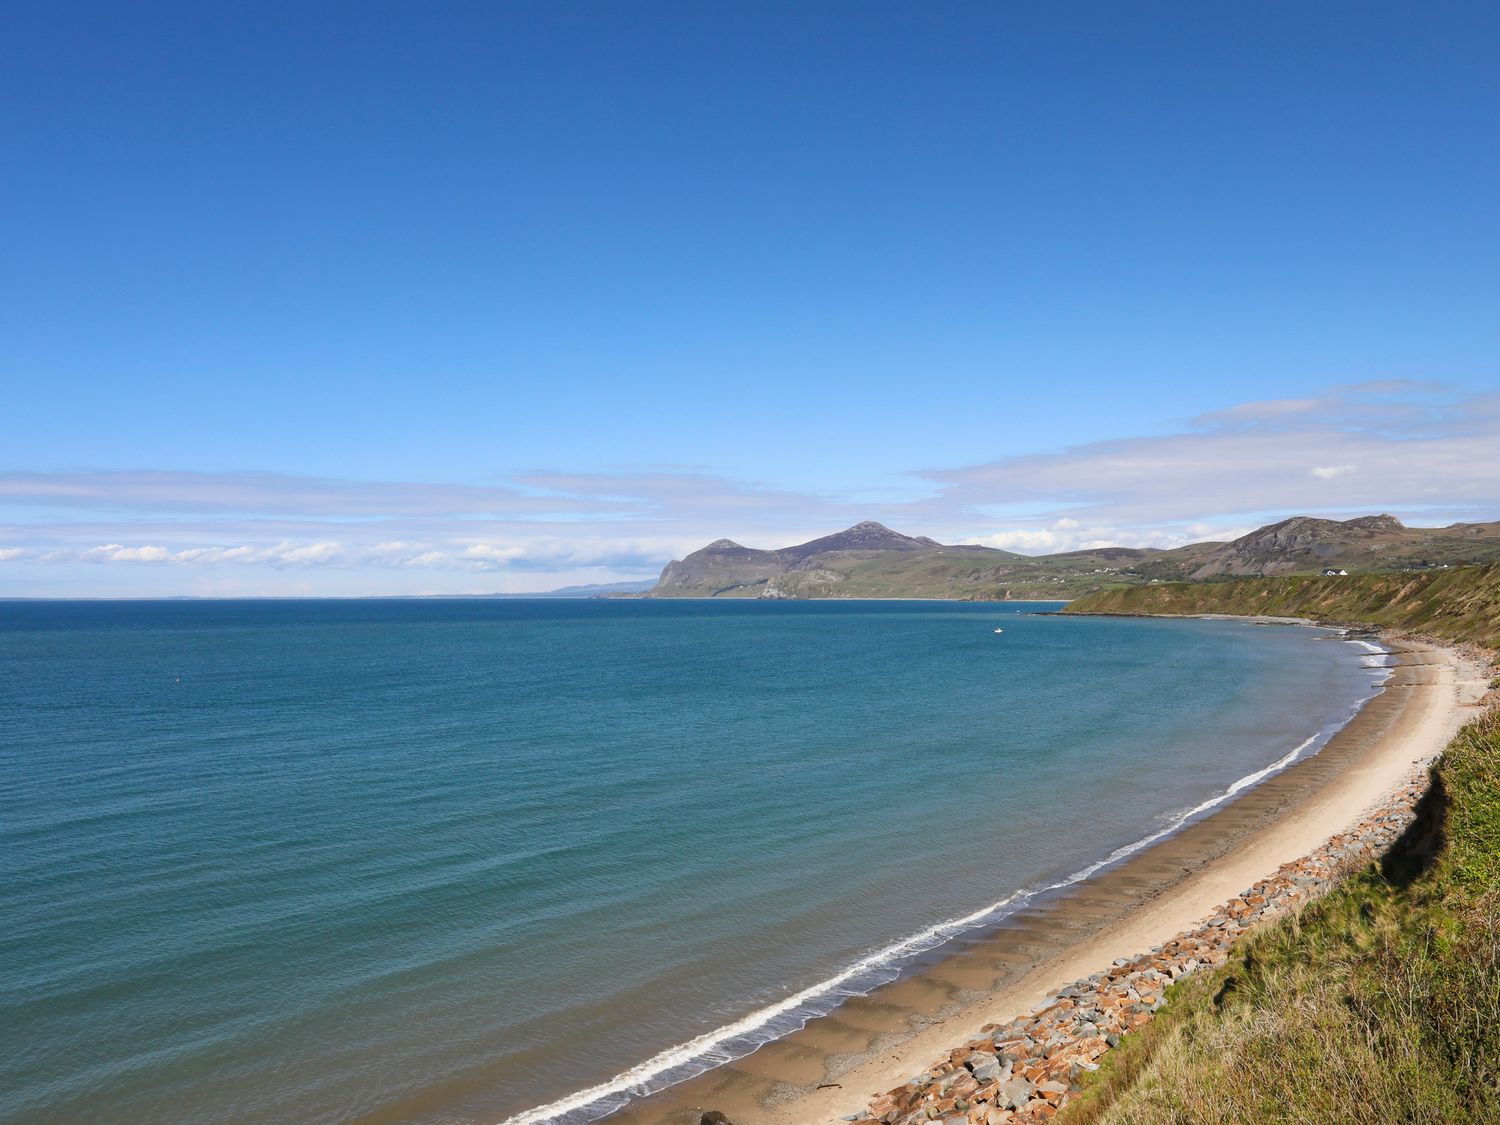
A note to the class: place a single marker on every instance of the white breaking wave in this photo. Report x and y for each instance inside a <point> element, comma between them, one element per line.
<point>1182,818</point>
<point>703,1047</point>
<point>1379,655</point>
<point>707,1048</point>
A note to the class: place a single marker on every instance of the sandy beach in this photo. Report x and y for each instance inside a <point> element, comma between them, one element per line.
<point>832,1066</point>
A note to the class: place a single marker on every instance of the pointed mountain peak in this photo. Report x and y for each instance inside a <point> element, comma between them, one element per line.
<point>723,545</point>
<point>866,535</point>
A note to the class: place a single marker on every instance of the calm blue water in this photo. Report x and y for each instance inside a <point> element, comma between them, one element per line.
<point>447,861</point>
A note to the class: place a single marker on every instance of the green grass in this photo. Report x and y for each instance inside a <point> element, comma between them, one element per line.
<point>1380,1002</point>
<point>1460,603</point>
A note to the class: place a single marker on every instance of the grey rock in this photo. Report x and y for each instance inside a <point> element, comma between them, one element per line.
<point>948,1080</point>
<point>984,1067</point>
<point>1014,1094</point>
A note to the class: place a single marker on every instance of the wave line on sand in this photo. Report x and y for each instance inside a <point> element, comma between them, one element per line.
<point>707,1051</point>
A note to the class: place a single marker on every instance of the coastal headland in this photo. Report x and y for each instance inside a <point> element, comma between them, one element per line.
<point>870,560</point>
<point>1117,921</point>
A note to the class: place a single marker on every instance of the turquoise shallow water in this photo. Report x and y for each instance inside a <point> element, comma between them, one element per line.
<point>451,860</point>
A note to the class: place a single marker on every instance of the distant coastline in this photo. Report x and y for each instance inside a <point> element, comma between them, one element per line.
<point>869,560</point>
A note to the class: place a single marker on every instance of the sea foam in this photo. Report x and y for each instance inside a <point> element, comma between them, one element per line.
<point>738,1039</point>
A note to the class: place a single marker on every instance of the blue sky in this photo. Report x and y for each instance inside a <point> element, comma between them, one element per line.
<point>391,298</point>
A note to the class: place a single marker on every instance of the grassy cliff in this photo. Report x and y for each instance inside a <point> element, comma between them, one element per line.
<point>1380,1002</point>
<point>1460,603</point>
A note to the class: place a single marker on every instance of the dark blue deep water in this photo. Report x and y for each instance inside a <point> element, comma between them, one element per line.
<point>322,861</point>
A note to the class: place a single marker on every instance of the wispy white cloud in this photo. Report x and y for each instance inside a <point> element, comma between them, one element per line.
<point>529,555</point>
<point>1256,413</point>
<point>284,494</point>
<point>279,554</point>
<point>1363,449</point>
<point>491,553</point>
<point>115,552</point>
<point>1417,449</point>
<point>1069,535</point>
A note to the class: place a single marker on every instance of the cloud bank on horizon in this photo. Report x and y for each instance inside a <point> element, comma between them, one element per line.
<point>1412,448</point>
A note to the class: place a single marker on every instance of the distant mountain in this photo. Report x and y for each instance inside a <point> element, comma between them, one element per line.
<point>870,560</point>
<point>1305,545</point>
<point>600,590</point>
<point>866,536</point>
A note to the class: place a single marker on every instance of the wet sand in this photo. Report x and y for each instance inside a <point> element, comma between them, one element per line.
<point>831,1066</point>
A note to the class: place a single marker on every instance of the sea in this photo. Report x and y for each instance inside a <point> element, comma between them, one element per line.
<point>509,861</point>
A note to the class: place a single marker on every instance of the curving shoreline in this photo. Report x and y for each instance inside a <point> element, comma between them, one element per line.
<point>831,1067</point>
<point>757,1031</point>
<point>1023,1072</point>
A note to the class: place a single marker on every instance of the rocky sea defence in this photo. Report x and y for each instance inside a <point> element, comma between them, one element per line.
<point>1026,1070</point>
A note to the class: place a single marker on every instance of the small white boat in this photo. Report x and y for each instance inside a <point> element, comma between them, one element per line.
<point>999,630</point>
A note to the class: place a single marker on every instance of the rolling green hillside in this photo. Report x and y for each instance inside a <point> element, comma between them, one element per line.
<point>1458,603</point>
<point>1380,1002</point>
